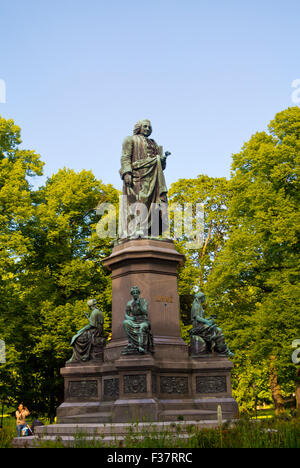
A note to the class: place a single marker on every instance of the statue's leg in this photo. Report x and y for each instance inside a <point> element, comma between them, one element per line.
<point>132,333</point>
<point>81,347</point>
<point>198,345</point>
<point>143,337</point>
<point>220,344</point>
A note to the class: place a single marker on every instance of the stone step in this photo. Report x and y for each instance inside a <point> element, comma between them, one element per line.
<point>69,441</point>
<point>165,415</point>
<point>74,408</point>
<point>192,415</point>
<point>108,433</point>
<point>120,428</point>
<point>104,417</point>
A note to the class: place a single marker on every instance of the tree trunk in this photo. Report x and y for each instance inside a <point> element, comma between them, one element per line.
<point>275,387</point>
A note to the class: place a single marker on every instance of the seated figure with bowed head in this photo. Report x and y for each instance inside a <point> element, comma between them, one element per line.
<point>137,326</point>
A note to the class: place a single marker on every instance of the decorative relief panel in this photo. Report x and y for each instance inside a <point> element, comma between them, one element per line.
<point>135,383</point>
<point>83,389</point>
<point>174,385</point>
<point>111,388</point>
<point>211,384</point>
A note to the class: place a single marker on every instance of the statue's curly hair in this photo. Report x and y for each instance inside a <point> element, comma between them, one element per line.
<point>138,126</point>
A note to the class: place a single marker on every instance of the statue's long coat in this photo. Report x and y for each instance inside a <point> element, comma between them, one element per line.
<point>141,157</point>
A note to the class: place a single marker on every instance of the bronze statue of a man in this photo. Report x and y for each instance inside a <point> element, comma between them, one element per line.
<point>144,187</point>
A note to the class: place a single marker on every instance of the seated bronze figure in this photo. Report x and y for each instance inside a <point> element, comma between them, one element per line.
<point>206,337</point>
<point>89,342</point>
<point>137,326</point>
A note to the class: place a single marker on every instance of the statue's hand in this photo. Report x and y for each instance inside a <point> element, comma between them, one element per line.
<point>163,160</point>
<point>128,179</point>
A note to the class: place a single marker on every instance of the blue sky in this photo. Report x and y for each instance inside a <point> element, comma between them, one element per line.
<point>208,74</point>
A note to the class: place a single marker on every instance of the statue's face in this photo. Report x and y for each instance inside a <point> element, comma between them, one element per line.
<point>200,297</point>
<point>135,293</point>
<point>146,128</point>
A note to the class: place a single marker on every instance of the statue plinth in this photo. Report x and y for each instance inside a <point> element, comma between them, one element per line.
<point>152,266</point>
<point>163,386</point>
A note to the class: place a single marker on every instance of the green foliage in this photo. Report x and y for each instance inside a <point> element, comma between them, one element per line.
<point>50,263</point>
<point>8,432</point>
<point>255,280</point>
<point>213,193</point>
<point>248,264</point>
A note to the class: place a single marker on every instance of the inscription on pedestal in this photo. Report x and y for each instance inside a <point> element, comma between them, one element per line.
<point>83,389</point>
<point>135,384</point>
<point>168,299</point>
<point>174,385</point>
<point>111,388</point>
<point>211,384</point>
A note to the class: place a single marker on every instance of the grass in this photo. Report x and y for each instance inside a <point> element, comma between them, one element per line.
<point>283,432</point>
<point>9,431</point>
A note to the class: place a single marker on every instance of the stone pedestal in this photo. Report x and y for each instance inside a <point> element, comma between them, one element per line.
<point>166,386</point>
<point>152,266</point>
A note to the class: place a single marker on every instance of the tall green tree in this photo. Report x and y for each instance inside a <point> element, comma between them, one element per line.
<point>255,280</point>
<point>17,168</point>
<point>212,194</point>
<point>50,264</point>
<point>64,268</point>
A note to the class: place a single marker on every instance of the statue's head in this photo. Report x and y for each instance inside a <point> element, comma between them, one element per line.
<point>135,292</point>
<point>143,127</point>
<point>92,303</point>
<point>200,297</point>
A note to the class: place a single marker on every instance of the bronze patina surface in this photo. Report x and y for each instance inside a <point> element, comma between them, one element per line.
<point>142,166</point>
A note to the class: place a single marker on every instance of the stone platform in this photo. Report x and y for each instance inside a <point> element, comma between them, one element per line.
<point>166,386</point>
<point>110,434</point>
<point>145,389</point>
